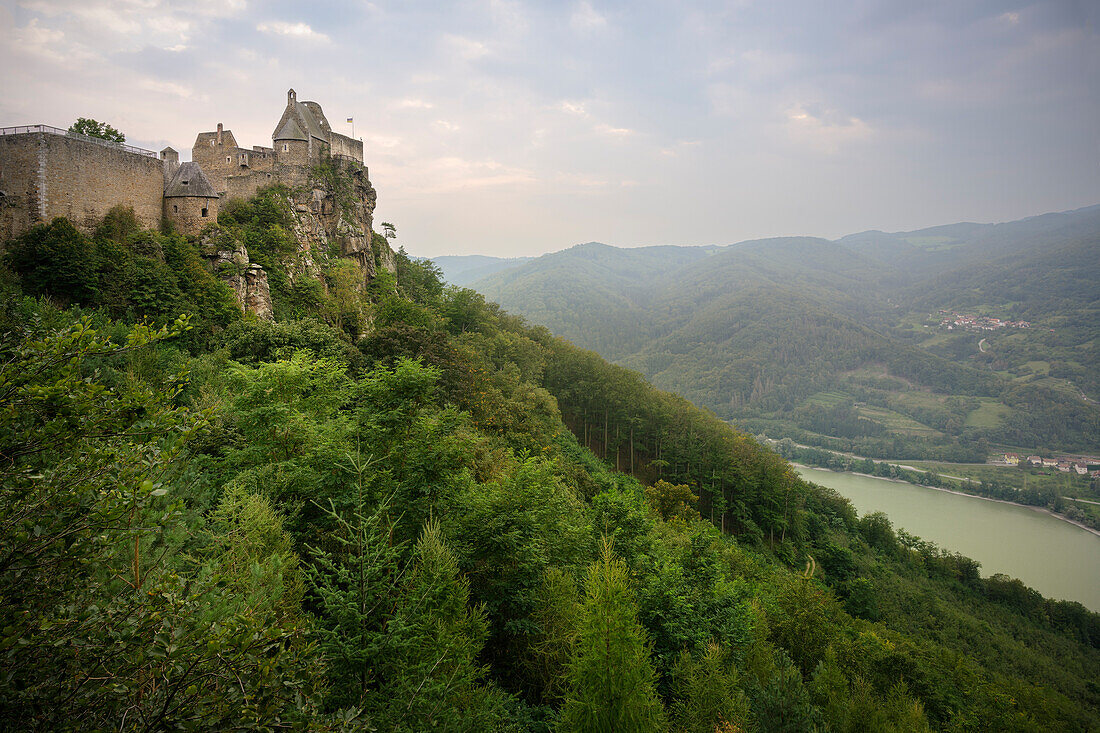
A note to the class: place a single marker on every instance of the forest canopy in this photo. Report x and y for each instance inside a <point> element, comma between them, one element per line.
<point>439,516</point>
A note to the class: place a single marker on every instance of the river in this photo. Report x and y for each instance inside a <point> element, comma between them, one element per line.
<point>1054,557</point>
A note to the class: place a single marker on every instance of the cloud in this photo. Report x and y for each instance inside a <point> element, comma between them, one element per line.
<point>573,108</point>
<point>619,132</point>
<point>410,103</point>
<point>825,132</point>
<point>455,173</point>
<point>585,19</point>
<point>446,126</point>
<point>160,86</point>
<point>291,30</point>
<point>465,48</point>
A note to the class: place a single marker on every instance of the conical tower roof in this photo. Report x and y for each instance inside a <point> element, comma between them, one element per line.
<point>189,180</point>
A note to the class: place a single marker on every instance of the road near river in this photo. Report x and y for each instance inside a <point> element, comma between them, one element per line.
<point>1056,558</point>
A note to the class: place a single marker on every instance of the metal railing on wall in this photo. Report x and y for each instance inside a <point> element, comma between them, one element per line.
<point>24,129</point>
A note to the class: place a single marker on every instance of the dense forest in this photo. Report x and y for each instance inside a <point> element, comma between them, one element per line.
<point>398,507</point>
<point>839,343</point>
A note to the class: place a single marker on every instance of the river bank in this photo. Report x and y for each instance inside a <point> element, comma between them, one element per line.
<point>1040,548</point>
<point>1041,510</point>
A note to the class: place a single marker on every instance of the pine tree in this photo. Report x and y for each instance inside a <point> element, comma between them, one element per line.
<point>612,681</point>
<point>707,693</point>
<point>356,582</point>
<point>431,679</point>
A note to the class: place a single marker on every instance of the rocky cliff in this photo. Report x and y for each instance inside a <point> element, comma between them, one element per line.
<point>331,216</point>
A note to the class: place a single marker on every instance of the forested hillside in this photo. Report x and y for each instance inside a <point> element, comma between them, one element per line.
<point>841,344</point>
<point>400,508</point>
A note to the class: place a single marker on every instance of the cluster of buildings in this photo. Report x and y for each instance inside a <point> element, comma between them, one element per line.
<point>977,323</point>
<point>1062,464</point>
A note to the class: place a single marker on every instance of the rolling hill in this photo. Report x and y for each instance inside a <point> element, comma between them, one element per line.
<point>839,343</point>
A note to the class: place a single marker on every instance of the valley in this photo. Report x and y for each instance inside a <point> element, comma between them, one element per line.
<point>947,344</point>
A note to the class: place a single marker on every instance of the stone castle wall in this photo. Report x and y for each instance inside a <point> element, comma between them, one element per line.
<point>19,205</point>
<point>247,184</point>
<point>220,162</point>
<point>344,145</point>
<point>45,175</point>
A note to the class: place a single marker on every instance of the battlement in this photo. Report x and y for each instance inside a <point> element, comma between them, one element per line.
<point>48,130</point>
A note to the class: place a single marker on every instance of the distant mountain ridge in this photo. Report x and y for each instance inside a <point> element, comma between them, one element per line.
<point>788,334</point>
<point>462,270</point>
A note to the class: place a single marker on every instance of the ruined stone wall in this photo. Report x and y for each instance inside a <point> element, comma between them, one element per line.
<point>191,214</point>
<point>219,162</point>
<point>291,152</point>
<point>261,159</point>
<point>248,184</point>
<point>344,145</point>
<point>55,175</point>
<point>18,184</point>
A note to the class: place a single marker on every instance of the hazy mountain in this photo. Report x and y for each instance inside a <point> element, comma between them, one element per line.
<point>818,338</point>
<point>464,269</point>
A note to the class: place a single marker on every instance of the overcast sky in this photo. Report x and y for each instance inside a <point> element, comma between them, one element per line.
<point>515,128</point>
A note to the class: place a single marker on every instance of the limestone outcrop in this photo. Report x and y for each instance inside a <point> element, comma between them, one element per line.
<point>247,279</point>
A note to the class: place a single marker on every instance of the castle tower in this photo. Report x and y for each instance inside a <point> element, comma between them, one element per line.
<point>190,201</point>
<point>171,160</point>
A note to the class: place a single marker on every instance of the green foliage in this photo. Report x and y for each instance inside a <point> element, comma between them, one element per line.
<point>356,583</point>
<point>708,693</point>
<point>97,625</point>
<point>93,128</point>
<point>611,684</point>
<point>377,516</point>
<point>431,677</point>
<point>672,501</point>
<point>130,272</point>
<point>56,260</point>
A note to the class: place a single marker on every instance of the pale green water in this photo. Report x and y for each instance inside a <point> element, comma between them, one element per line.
<point>1054,557</point>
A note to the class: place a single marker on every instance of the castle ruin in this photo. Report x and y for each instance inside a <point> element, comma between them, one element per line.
<point>46,172</point>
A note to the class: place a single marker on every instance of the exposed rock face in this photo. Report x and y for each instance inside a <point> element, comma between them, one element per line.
<point>342,218</point>
<point>329,218</point>
<point>248,280</point>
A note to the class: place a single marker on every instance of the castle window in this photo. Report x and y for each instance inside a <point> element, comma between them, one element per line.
<point>228,159</point>
<point>204,211</point>
<point>175,209</point>
<point>286,147</point>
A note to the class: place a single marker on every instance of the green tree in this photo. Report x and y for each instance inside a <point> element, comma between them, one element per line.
<point>99,621</point>
<point>780,701</point>
<point>611,686</point>
<point>707,693</point>
<point>57,260</point>
<point>430,676</point>
<point>94,128</point>
<point>356,579</point>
